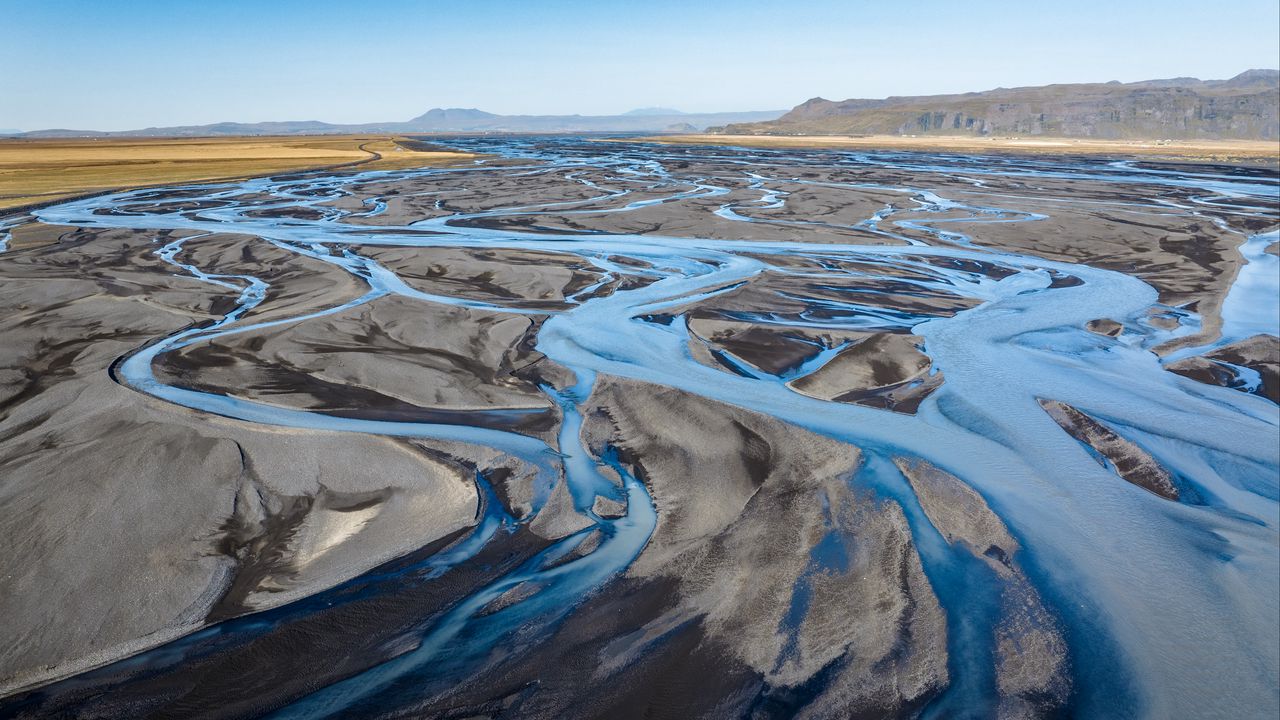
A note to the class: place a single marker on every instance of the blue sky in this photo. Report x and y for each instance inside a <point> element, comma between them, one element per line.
<point>119,65</point>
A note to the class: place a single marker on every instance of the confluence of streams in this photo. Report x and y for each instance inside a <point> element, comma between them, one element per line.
<point>1178,578</point>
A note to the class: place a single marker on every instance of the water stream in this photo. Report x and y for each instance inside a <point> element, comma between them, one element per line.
<point>1141,583</point>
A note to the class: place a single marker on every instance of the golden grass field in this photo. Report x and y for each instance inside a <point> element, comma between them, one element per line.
<point>1201,150</point>
<point>36,171</point>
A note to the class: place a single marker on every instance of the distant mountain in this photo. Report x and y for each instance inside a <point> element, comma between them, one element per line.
<point>475,121</point>
<point>1245,107</point>
<point>451,120</point>
<point>653,111</point>
<point>10,131</point>
<point>452,115</point>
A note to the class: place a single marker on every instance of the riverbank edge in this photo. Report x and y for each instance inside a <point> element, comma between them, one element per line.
<point>1264,153</point>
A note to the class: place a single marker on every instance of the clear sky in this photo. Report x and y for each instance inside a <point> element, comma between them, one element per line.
<point>108,65</point>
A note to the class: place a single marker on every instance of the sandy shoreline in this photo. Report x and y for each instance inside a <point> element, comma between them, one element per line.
<point>1252,151</point>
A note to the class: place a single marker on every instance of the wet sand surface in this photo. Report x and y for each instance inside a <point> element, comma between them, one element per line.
<point>622,430</point>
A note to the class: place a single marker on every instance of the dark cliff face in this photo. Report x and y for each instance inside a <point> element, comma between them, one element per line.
<point>1244,107</point>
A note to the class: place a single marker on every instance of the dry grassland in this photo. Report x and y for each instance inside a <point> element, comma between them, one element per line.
<point>37,171</point>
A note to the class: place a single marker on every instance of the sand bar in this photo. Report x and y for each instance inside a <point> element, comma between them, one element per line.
<point>1198,150</point>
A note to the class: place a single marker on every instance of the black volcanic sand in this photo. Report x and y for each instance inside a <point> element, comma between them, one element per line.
<point>1189,260</point>
<point>131,522</point>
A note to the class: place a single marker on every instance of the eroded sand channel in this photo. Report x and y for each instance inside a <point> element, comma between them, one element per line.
<point>699,430</point>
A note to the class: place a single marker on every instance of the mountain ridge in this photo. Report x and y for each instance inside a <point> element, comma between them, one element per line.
<point>1246,106</point>
<point>440,120</point>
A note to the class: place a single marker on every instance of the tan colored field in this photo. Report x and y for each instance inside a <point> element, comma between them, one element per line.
<point>35,171</point>
<point>1224,150</point>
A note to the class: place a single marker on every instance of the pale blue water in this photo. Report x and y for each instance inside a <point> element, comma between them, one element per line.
<point>1141,583</point>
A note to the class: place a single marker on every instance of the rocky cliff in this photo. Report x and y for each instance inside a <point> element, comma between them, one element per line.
<point>1245,107</point>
